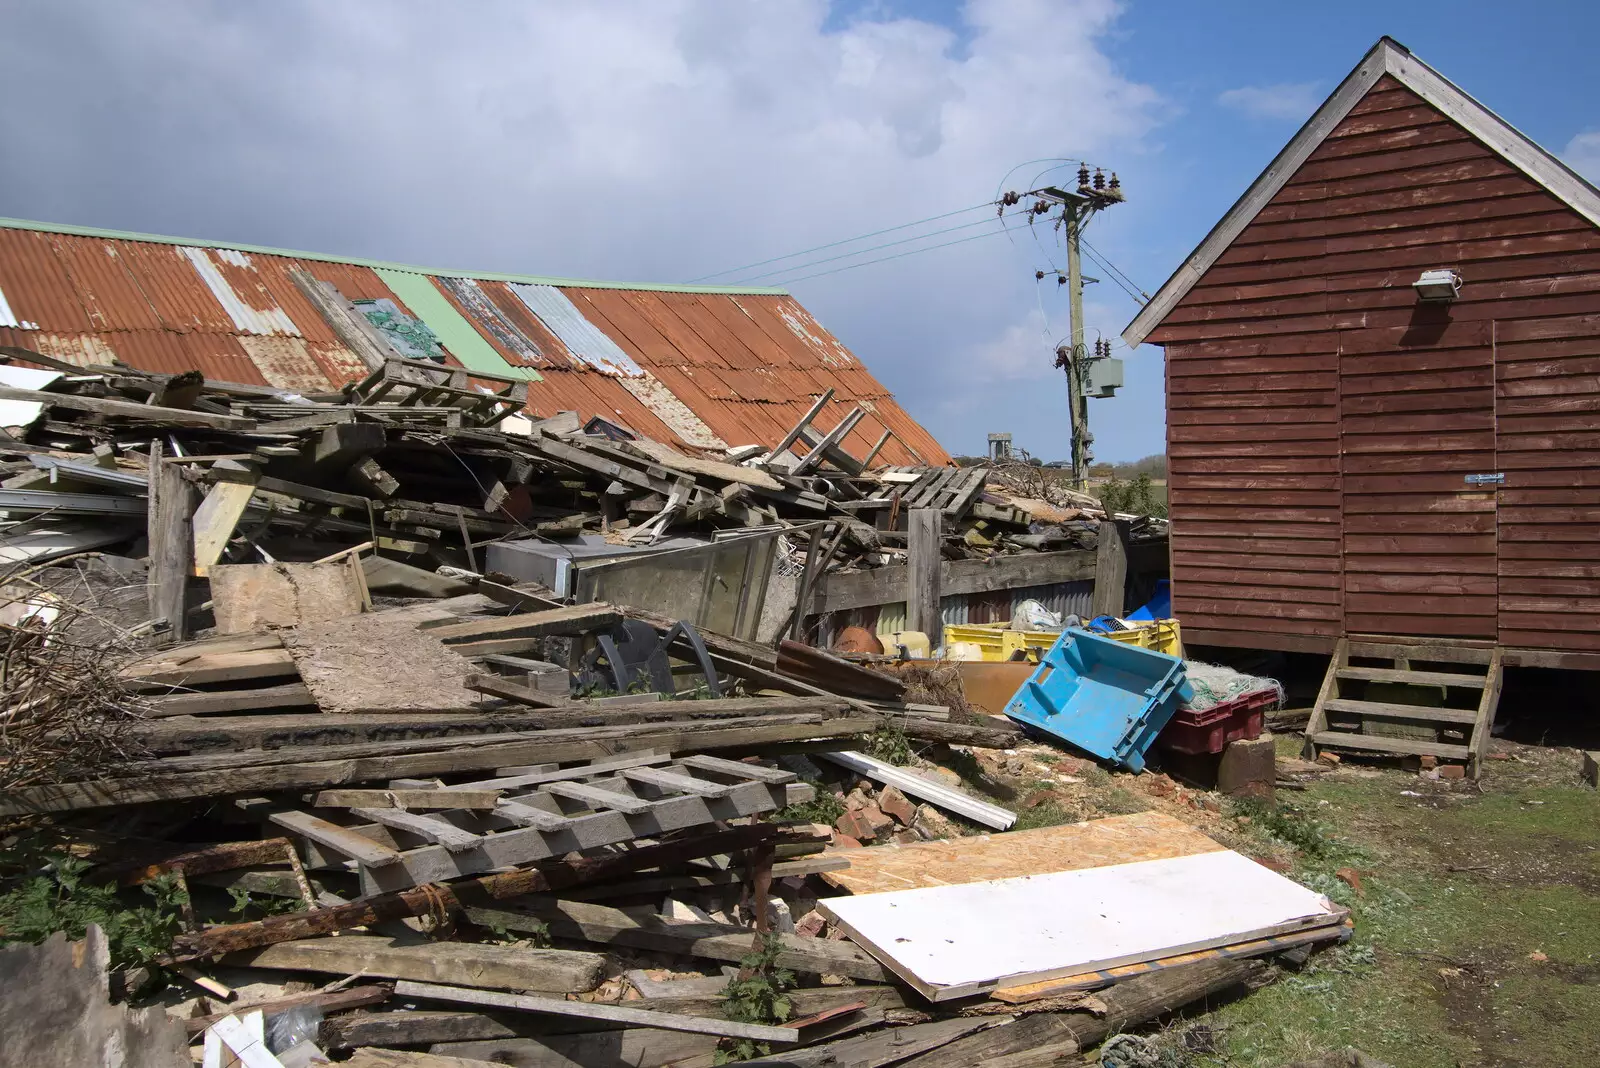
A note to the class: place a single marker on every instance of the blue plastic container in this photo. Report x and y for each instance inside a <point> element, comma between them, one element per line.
<point>1108,698</point>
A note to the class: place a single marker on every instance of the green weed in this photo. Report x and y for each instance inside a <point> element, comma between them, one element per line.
<point>139,926</point>
<point>756,996</point>
<point>888,744</point>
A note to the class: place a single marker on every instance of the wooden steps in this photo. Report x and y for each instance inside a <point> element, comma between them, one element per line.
<point>1344,717</point>
<point>1415,678</point>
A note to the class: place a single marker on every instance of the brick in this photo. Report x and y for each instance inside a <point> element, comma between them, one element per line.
<point>844,841</point>
<point>897,806</point>
<point>1428,761</point>
<point>879,824</point>
<point>855,825</point>
<point>1452,771</point>
<point>811,925</point>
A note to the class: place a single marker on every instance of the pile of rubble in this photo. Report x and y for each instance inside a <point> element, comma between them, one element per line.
<point>399,806</point>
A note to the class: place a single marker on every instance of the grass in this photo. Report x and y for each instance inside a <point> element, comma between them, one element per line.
<point>1477,926</point>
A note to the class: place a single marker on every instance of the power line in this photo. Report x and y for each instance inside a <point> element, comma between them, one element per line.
<point>845,241</point>
<point>1100,257</point>
<point>1112,274</point>
<point>869,248</point>
<point>896,256</point>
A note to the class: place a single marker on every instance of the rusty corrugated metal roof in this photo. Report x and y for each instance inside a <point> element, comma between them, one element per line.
<point>701,366</point>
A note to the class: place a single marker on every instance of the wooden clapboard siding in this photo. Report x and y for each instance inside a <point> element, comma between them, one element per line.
<point>1322,422</point>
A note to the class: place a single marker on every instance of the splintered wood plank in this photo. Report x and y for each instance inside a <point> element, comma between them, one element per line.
<point>206,668</point>
<point>738,768</point>
<point>527,816</point>
<point>288,695</point>
<point>582,771</point>
<point>215,519</point>
<point>466,963</point>
<point>430,828</point>
<point>667,779</point>
<point>597,1011</point>
<point>1094,844</point>
<point>408,798</point>
<point>332,836</point>
<point>600,924</point>
<point>570,619</point>
<point>596,797</point>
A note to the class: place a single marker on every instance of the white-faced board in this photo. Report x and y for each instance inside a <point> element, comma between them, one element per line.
<point>957,941</point>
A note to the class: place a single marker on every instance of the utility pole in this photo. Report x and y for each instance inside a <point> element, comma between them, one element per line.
<point>1077,208</point>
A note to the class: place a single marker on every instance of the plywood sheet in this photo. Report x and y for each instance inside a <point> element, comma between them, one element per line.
<point>251,597</point>
<point>954,861</point>
<point>958,941</point>
<point>371,663</point>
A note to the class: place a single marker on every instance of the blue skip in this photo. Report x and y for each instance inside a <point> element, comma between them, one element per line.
<point>1108,698</point>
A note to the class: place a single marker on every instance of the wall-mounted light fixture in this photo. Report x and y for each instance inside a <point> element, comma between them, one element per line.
<point>1438,285</point>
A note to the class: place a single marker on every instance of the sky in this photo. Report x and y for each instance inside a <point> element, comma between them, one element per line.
<point>669,140</point>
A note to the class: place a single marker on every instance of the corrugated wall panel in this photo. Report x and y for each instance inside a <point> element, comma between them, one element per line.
<point>1286,535</point>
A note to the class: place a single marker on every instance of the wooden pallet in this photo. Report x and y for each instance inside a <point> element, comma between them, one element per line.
<point>422,383</point>
<point>1342,721</point>
<point>952,490</point>
<point>542,812</point>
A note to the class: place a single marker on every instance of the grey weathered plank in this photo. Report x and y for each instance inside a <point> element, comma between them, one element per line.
<point>432,828</point>
<point>1390,710</point>
<point>523,845</point>
<point>738,768</point>
<point>666,1021</point>
<point>462,963</point>
<point>667,779</point>
<point>339,839</point>
<point>582,921</point>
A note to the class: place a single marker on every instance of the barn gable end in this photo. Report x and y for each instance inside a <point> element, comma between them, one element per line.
<point>1333,442</point>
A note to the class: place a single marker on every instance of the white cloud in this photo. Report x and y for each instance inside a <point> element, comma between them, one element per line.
<point>1582,154</point>
<point>629,139</point>
<point>1287,101</point>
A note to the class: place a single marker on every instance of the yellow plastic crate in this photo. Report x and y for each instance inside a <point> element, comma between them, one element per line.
<point>1164,636</point>
<point>995,642</point>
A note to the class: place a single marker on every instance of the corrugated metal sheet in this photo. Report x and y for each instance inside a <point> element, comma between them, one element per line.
<point>578,334</point>
<point>250,319</point>
<point>515,346</point>
<point>673,412</point>
<point>286,362</point>
<point>460,337</point>
<point>697,366</point>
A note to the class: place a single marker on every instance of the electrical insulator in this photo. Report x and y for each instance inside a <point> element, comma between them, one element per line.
<point>1061,279</point>
<point>1083,177</point>
<point>1099,180</point>
<point>1040,207</point>
<point>1038,276</point>
<point>1115,188</point>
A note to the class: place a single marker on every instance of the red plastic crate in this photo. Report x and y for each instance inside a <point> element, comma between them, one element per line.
<point>1210,731</point>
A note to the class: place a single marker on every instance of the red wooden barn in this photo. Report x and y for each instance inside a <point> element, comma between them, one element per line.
<point>1352,452</point>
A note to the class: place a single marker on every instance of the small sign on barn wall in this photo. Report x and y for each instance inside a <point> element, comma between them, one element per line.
<point>1496,479</point>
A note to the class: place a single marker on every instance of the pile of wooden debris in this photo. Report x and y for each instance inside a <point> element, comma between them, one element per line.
<point>567,810</point>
